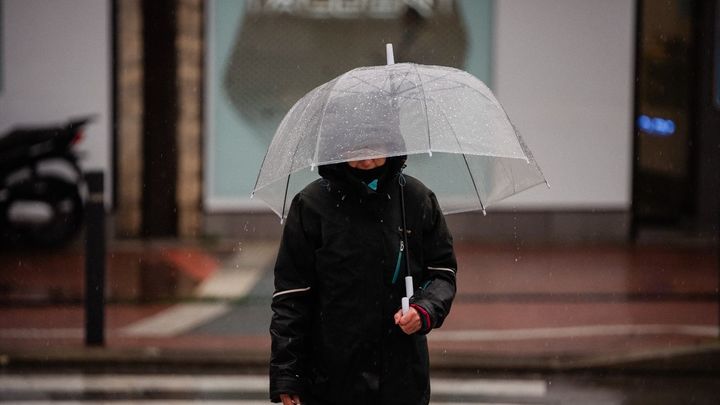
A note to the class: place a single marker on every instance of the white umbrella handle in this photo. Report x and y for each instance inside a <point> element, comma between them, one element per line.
<point>389,54</point>
<point>408,293</point>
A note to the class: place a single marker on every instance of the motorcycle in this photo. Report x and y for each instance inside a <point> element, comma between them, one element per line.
<point>42,189</point>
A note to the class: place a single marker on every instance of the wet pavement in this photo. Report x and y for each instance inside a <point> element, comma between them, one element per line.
<point>540,307</point>
<point>77,387</point>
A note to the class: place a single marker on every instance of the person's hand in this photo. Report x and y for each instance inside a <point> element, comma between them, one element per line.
<point>288,399</point>
<point>410,322</point>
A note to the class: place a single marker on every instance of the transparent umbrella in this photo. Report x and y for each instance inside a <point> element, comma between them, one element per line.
<point>458,139</point>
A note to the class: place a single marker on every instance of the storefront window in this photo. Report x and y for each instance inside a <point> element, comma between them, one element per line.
<point>265,55</point>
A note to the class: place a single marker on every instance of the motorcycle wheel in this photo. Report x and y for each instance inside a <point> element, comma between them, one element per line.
<point>59,205</point>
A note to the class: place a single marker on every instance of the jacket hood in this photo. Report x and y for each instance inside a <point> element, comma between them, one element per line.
<point>358,126</point>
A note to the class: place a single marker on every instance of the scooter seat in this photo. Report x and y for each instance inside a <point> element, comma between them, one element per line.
<point>26,136</point>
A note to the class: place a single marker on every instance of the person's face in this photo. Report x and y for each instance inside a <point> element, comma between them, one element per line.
<point>366,164</point>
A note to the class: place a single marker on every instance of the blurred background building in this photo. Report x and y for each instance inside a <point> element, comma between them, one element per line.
<point>617,99</point>
<point>615,265</point>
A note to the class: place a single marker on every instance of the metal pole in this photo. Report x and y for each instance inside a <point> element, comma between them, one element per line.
<point>95,260</point>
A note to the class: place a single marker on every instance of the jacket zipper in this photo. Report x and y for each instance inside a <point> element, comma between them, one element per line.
<point>399,260</point>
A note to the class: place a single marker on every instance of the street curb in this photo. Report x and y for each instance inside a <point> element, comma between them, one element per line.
<point>703,359</point>
<point>692,359</point>
<point>98,357</point>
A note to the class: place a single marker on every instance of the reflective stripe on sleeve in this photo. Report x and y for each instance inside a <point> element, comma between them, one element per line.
<point>297,290</point>
<point>442,269</point>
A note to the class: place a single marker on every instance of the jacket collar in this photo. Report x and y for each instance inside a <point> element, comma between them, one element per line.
<point>339,175</point>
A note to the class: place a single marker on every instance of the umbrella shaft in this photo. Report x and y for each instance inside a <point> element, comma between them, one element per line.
<point>404,224</point>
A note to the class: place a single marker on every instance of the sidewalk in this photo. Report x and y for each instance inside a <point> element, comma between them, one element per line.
<point>518,307</point>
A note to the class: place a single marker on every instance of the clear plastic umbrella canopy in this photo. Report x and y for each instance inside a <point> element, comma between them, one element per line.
<point>458,139</point>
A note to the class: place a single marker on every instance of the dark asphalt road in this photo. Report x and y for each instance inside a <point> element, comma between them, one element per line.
<point>146,387</point>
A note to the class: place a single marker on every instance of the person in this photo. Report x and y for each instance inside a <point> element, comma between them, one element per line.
<point>338,333</point>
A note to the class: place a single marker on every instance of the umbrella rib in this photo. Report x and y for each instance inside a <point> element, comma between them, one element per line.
<point>369,84</point>
<point>346,90</point>
<point>460,85</point>
<point>427,117</point>
<point>322,119</point>
<point>472,178</point>
<point>494,101</point>
<point>447,73</point>
<point>292,160</point>
<point>350,92</point>
<point>436,78</point>
<point>444,89</point>
<point>467,165</point>
<point>279,130</point>
<point>362,81</point>
<point>385,82</point>
<point>287,186</point>
<point>526,151</point>
<point>257,179</point>
<point>528,154</point>
<point>407,73</point>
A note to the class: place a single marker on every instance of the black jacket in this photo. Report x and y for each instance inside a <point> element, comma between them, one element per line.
<point>334,340</point>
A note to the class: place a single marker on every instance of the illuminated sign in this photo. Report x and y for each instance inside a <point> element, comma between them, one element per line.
<point>656,126</point>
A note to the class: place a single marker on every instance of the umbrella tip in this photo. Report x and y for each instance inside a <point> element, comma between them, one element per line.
<point>430,153</point>
<point>282,221</point>
<point>389,53</point>
<point>312,167</point>
<point>484,212</point>
<point>252,195</point>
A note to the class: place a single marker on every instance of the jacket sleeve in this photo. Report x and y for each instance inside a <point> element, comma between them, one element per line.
<point>437,291</point>
<point>291,306</point>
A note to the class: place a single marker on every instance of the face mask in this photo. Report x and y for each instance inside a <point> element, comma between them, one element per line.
<point>367,176</point>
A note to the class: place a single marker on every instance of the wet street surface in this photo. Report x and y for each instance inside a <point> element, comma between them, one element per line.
<point>73,387</point>
<point>537,309</point>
